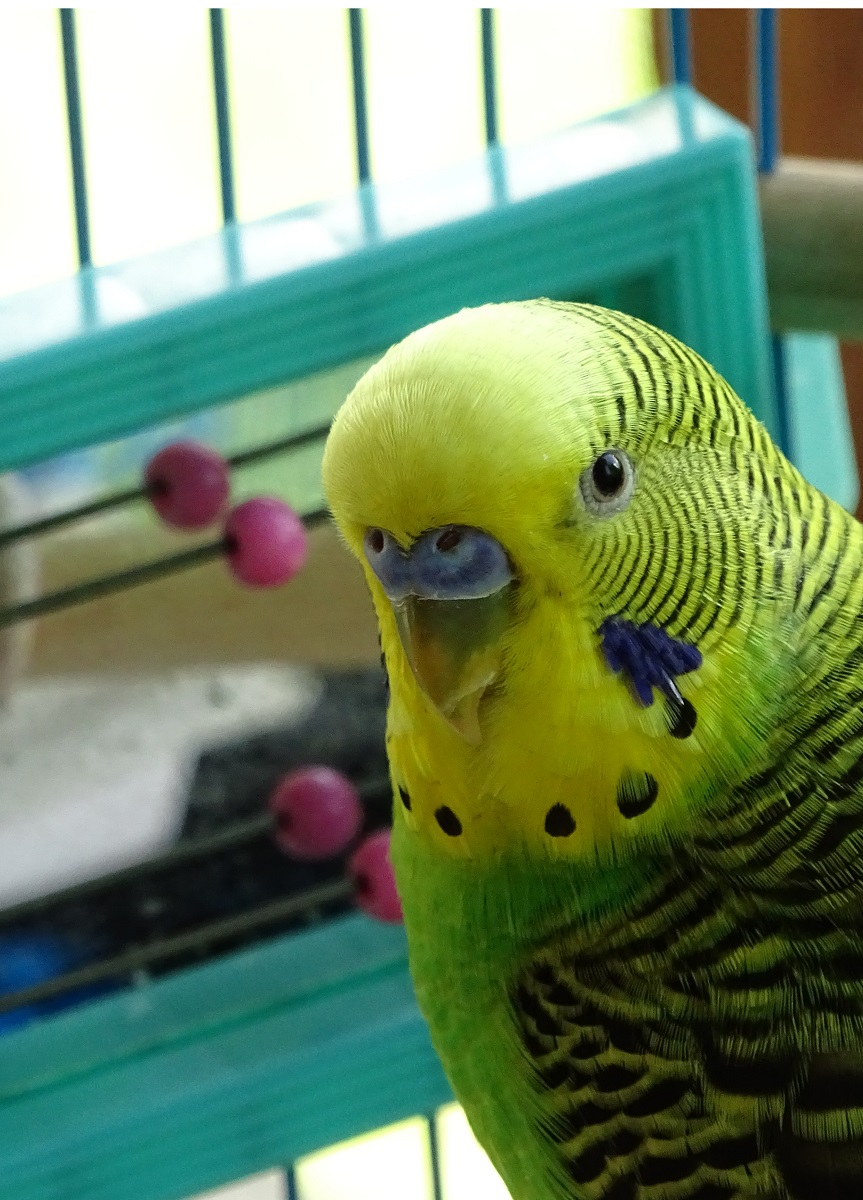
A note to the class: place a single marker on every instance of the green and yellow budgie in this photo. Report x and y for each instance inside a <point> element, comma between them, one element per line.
<point>625,647</point>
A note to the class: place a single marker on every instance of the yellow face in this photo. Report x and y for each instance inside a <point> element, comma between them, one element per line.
<point>507,726</point>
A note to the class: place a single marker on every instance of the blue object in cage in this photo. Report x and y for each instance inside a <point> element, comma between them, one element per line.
<point>27,959</point>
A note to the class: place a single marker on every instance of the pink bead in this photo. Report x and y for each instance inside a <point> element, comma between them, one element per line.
<point>187,484</point>
<point>375,882</point>
<point>318,813</point>
<point>266,542</point>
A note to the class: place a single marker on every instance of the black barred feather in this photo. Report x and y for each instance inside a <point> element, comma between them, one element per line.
<point>641,958</point>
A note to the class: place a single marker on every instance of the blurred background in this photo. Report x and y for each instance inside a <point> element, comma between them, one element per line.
<point>152,182</point>
<point>158,716</point>
<point>821,92</point>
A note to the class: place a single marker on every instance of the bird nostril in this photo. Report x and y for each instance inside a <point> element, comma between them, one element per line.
<point>448,540</point>
<point>376,540</point>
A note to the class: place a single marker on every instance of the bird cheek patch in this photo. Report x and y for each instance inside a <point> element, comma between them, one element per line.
<point>650,658</point>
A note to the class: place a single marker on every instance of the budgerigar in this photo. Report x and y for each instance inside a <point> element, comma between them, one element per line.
<point>624,640</point>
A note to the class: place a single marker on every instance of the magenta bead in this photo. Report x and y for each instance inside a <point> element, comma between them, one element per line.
<point>266,542</point>
<point>375,882</point>
<point>318,813</point>
<point>187,484</point>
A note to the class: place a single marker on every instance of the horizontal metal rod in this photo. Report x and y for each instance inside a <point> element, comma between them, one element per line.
<point>93,589</point>
<point>812,212</point>
<point>295,441</point>
<point>183,851</point>
<point>140,957</point>
<point>120,581</point>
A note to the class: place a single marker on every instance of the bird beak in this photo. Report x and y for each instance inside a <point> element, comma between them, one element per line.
<point>454,649</point>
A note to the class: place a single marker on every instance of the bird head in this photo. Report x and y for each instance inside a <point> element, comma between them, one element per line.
<point>515,480</point>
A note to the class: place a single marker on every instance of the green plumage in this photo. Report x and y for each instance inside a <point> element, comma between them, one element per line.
<point>660,998</point>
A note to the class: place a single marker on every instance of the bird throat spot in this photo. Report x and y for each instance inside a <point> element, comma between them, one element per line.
<point>448,821</point>
<point>559,821</point>
<point>681,718</point>
<point>636,793</point>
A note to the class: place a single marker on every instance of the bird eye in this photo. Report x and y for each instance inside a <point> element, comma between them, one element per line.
<point>607,484</point>
<point>608,474</point>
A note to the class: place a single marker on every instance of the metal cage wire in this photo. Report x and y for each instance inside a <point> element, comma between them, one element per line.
<point>672,156</point>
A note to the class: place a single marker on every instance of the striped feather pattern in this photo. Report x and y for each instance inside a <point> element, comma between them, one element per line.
<point>658,994</point>
<point>747,985</point>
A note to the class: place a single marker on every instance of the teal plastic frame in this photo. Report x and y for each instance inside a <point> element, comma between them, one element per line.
<point>218,1071</point>
<point>653,208</point>
<point>267,1054</point>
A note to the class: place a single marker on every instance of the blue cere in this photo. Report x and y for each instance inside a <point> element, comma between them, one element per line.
<point>648,656</point>
<point>455,562</point>
<point>389,562</point>
<point>459,563</point>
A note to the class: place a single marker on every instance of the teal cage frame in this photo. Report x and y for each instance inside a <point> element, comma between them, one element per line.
<point>266,1054</point>
<point>653,208</point>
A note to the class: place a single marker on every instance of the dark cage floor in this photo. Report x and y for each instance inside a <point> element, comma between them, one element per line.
<point>224,884</point>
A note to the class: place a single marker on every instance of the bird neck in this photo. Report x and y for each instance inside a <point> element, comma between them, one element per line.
<point>497,908</point>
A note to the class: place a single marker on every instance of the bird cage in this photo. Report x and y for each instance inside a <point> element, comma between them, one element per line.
<point>267,1023</point>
